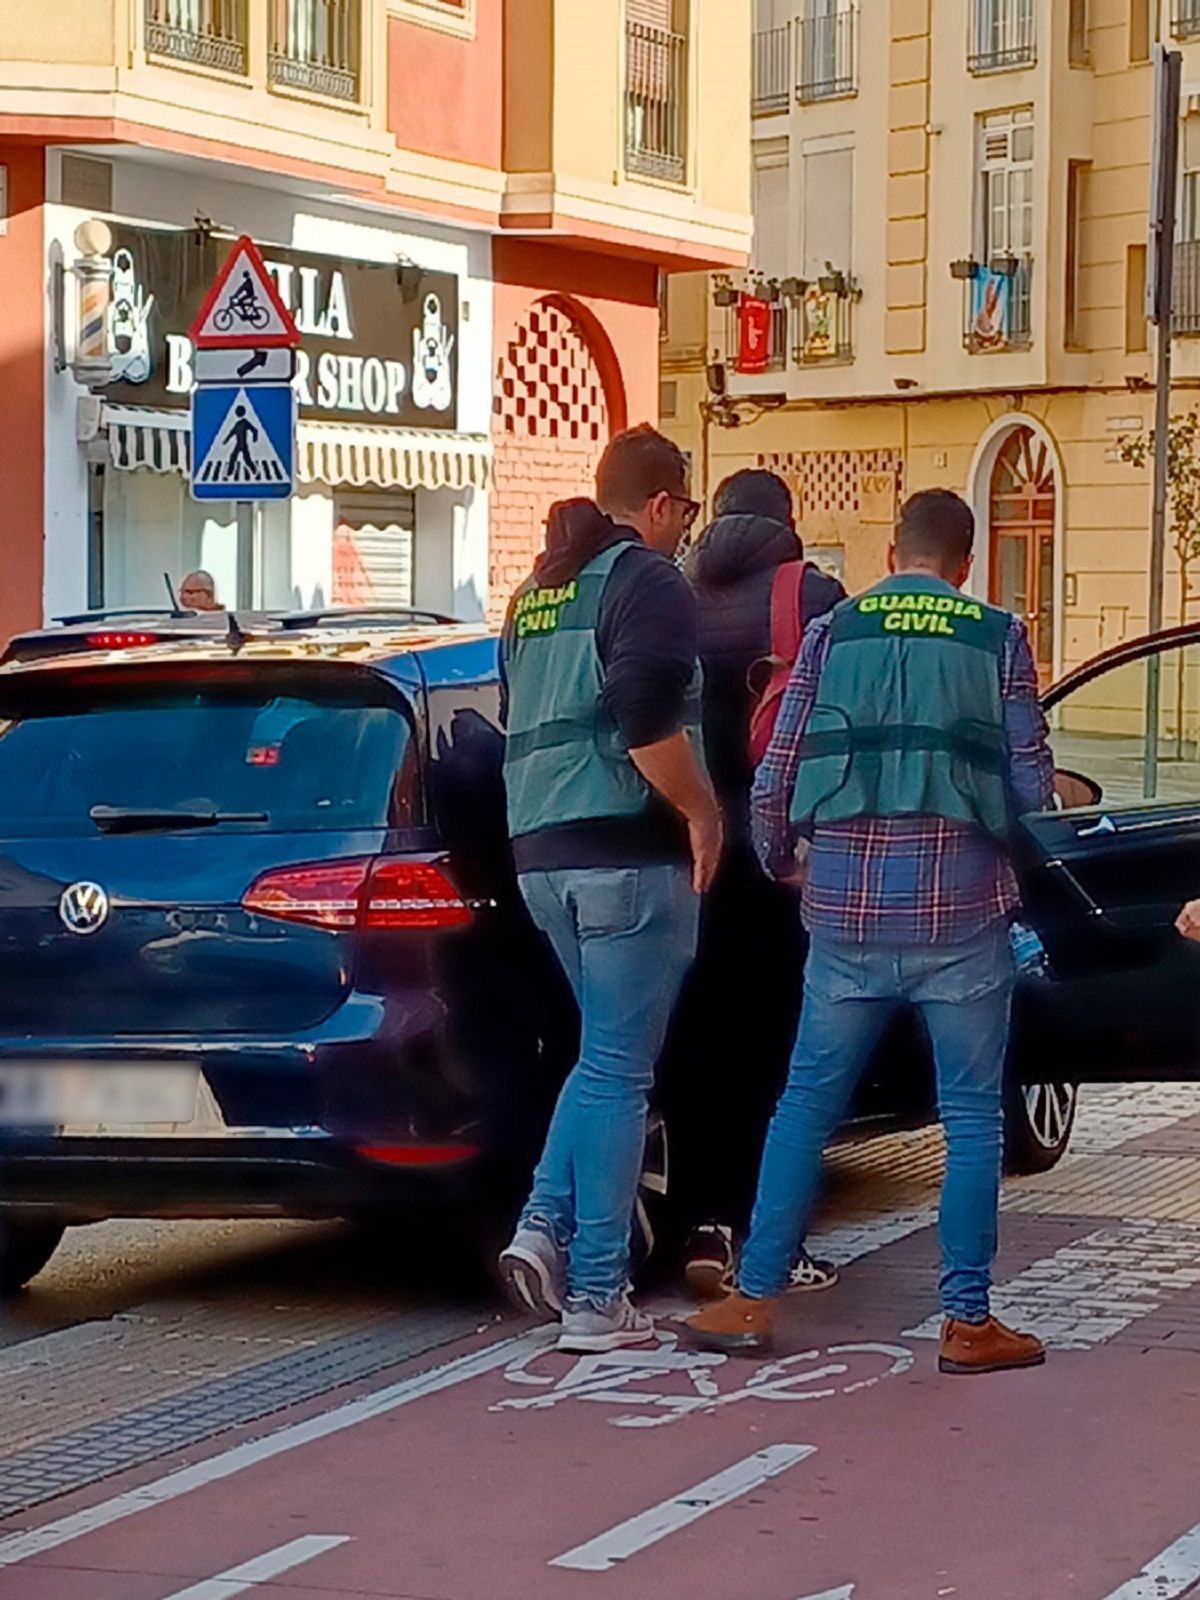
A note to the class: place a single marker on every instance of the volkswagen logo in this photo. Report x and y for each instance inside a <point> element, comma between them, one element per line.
<point>83,907</point>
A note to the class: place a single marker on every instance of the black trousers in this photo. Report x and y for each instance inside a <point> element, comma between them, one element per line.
<point>726,1057</point>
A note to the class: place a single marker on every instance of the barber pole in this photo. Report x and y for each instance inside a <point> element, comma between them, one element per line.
<point>94,277</point>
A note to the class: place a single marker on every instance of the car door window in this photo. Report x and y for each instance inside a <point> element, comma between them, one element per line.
<point>1104,730</point>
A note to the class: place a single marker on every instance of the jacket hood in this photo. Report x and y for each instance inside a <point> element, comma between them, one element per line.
<point>733,547</point>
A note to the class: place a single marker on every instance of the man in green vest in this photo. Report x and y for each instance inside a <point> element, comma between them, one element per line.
<point>616,833</point>
<point>909,739</point>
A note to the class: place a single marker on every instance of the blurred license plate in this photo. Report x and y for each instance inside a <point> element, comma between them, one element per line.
<point>95,1094</point>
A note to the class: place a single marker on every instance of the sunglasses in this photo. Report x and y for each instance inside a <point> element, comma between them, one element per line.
<point>692,508</point>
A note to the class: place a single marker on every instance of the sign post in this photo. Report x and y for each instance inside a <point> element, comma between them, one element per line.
<point>243,404</point>
<point>1160,286</point>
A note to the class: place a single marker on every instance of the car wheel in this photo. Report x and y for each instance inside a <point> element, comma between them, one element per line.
<point>1038,1119</point>
<point>26,1244</point>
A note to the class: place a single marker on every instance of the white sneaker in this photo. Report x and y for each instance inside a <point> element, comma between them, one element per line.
<point>589,1330</point>
<point>534,1271</point>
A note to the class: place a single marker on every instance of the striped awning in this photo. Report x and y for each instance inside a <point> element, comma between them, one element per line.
<point>383,458</point>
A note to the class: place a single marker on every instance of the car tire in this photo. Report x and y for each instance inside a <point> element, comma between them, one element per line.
<point>1038,1119</point>
<point>26,1244</point>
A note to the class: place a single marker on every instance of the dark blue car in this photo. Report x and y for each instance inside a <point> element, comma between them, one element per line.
<point>261,947</point>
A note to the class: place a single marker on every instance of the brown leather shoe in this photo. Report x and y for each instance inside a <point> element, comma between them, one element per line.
<point>987,1347</point>
<point>733,1324</point>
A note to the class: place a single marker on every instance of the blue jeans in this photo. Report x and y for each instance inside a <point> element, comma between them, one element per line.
<point>964,993</point>
<point>625,937</point>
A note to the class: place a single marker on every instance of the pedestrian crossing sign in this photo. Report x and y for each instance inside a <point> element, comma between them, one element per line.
<point>243,441</point>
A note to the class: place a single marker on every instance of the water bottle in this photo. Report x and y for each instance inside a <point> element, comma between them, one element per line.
<point>1029,953</point>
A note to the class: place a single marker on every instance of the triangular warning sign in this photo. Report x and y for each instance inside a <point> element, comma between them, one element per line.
<point>241,451</point>
<point>243,306</point>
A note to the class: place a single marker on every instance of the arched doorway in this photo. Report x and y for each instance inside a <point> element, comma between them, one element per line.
<point>1022,499</point>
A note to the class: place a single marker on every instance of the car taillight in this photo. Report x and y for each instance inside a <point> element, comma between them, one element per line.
<point>359,893</point>
<point>413,894</point>
<point>120,641</point>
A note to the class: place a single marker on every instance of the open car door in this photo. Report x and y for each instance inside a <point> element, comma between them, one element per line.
<point>1105,874</point>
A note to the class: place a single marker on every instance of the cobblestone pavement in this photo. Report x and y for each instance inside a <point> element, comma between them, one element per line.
<point>266,1408</point>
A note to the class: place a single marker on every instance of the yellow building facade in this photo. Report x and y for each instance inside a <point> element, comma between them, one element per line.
<point>951,221</point>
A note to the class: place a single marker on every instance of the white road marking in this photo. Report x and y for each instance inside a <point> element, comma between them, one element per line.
<point>844,1593</point>
<point>17,1547</point>
<point>1087,1292</point>
<point>262,1568</point>
<point>648,1527</point>
<point>1168,1575</point>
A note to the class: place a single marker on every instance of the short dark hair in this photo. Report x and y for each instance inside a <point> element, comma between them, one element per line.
<point>935,525</point>
<point>637,465</point>
<point>754,492</point>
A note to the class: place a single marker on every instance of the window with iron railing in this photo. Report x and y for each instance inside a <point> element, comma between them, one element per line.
<point>772,69</point>
<point>204,33</point>
<point>316,45</point>
<point>655,102</point>
<point>1003,35</point>
<point>826,55</point>
<point>1185,18</point>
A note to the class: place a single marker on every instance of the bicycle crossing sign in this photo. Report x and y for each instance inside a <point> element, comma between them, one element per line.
<point>243,307</point>
<point>243,441</point>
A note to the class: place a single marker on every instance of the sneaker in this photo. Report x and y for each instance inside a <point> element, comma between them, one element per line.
<point>534,1271</point>
<point>809,1274</point>
<point>736,1325</point>
<point>708,1261</point>
<point>587,1330</point>
<point>986,1347</point>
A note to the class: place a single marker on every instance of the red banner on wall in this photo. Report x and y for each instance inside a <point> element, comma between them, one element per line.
<point>754,333</point>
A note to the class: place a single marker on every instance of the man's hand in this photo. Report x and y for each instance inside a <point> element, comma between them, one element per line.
<point>1188,921</point>
<point>797,873</point>
<point>706,836</point>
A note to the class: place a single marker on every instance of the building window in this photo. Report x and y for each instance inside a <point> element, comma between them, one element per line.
<point>656,58</point>
<point>1078,49</point>
<point>999,304</point>
<point>316,46</point>
<point>1002,35</point>
<point>826,65</point>
<point>202,33</point>
<point>450,16</point>
<point>1078,173</point>
<point>1185,18</point>
<point>1141,29</point>
<point>1187,254</point>
<point>1135,299</point>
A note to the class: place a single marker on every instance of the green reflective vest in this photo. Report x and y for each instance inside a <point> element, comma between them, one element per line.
<point>908,717</point>
<point>564,758</point>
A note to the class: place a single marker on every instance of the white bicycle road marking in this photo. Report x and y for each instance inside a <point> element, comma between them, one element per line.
<point>844,1593</point>
<point>262,1568</point>
<point>648,1527</point>
<point>1168,1575</point>
<point>616,1378</point>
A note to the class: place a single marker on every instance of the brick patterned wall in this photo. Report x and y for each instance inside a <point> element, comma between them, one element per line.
<point>549,428</point>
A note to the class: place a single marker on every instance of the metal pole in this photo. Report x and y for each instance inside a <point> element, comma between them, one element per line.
<point>245,554</point>
<point>1166,172</point>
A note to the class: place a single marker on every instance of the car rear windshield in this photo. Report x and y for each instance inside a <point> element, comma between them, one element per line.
<point>284,749</point>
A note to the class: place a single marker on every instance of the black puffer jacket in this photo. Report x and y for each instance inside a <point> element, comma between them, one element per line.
<point>733,568</point>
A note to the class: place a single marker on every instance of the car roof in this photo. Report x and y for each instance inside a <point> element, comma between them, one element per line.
<point>338,641</point>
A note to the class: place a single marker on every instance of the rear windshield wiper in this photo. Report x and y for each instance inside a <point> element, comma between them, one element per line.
<point>140,819</point>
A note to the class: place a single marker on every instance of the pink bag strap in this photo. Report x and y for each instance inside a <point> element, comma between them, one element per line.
<point>787,625</point>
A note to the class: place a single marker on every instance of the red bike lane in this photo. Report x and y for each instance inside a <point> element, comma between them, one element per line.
<point>844,1466</point>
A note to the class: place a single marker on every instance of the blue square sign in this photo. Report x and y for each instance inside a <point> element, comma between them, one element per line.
<point>243,441</point>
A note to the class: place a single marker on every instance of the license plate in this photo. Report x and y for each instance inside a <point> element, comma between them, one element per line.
<point>96,1094</point>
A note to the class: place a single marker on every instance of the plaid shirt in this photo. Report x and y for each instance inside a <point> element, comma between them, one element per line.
<point>908,879</point>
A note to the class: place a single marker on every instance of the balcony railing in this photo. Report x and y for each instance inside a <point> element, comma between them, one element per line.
<point>997,303</point>
<point>826,63</point>
<point>811,324</point>
<point>1185,19</point>
<point>772,69</point>
<point>205,33</point>
<point>655,102</point>
<point>1187,287</point>
<point>316,45</point>
<point>1003,35</point>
